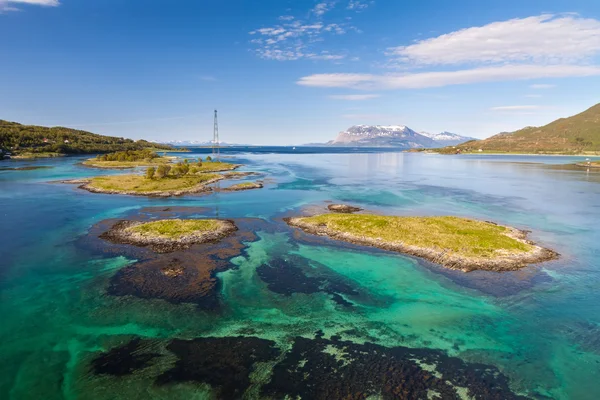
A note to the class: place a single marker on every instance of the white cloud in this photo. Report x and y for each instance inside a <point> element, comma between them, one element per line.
<point>542,86</point>
<point>295,40</point>
<point>322,8</point>
<point>48,3</point>
<point>357,5</point>
<point>547,39</point>
<point>533,96</point>
<point>514,108</point>
<point>5,4</point>
<point>354,97</point>
<point>445,78</point>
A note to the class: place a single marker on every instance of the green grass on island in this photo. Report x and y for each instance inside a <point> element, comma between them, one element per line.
<point>141,184</point>
<point>461,236</point>
<point>175,228</point>
<point>212,166</point>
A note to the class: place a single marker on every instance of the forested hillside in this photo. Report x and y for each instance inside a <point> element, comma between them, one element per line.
<point>17,139</point>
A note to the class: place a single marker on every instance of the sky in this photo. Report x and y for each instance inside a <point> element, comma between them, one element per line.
<point>292,72</point>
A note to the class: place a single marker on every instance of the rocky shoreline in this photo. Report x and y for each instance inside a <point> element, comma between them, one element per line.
<point>507,262</point>
<point>121,233</point>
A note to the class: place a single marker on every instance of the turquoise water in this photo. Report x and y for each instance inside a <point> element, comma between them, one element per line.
<point>539,326</point>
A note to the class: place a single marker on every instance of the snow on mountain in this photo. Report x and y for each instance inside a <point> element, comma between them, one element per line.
<point>447,138</point>
<point>382,136</point>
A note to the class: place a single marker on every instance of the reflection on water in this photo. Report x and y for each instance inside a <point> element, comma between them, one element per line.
<point>297,298</point>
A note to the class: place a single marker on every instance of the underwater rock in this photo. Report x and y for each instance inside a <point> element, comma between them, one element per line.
<point>123,360</point>
<point>224,363</point>
<point>335,369</point>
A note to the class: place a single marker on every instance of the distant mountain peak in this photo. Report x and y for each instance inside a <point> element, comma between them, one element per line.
<point>399,136</point>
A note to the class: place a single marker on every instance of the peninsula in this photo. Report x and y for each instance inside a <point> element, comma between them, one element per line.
<point>453,242</point>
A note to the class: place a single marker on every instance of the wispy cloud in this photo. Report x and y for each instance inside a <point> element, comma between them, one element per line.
<point>354,97</point>
<point>515,108</point>
<point>7,5</point>
<point>302,38</point>
<point>322,8</point>
<point>539,47</point>
<point>437,79</point>
<point>358,5</point>
<point>542,86</point>
<point>207,78</point>
<point>294,40</point>
<point>547,39</point>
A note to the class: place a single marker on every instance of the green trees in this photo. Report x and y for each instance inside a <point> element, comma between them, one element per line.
<point>209,158</point>
<point>37,139</point>
<point>162,171</point>
<point>150,172</point>
<point>129,155</point>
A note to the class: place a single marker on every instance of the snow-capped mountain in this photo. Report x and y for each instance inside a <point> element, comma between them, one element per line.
<point>382,136</point>
<point>447,138</point>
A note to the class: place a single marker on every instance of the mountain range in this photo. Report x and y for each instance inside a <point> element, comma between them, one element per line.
<point>398,136</point>
<point>573,135</point>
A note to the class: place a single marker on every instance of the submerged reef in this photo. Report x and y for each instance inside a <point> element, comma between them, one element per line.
<point>312,368</point>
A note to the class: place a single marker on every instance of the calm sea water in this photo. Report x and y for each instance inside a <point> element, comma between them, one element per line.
<point>540,326</point>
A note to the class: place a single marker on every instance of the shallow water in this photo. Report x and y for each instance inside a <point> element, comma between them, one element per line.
<point>539,326</point>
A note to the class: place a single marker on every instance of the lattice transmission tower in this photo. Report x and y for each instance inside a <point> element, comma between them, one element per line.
<point>216,151</point>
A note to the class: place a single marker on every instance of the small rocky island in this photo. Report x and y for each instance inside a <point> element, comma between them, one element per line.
<point>164,236</point>
<point>454,242</point>
<point>343,208</point>
<point>244,186</point>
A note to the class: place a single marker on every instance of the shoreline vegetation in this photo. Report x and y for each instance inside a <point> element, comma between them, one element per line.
<point>168,235</point>
<point>453,242</point>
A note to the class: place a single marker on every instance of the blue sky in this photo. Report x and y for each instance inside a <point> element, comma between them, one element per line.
<point>292,72</point>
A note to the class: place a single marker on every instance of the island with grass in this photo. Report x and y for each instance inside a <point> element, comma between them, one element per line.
<point>167,235</point>
<point>244,186</point>
<point>453,242</point>
<point>127,159</point>
<point>162,180</point>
